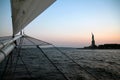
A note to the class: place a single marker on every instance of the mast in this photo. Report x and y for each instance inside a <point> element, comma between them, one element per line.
<point>23,12</point>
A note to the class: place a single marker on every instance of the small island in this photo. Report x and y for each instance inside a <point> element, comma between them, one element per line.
<point>102,46</point>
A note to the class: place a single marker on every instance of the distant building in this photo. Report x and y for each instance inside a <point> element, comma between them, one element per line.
<point>92,46</point>
<point>104,46</point>
<point>93,42</point>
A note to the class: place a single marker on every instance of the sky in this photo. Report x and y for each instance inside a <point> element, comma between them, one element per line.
<point>69,23</point>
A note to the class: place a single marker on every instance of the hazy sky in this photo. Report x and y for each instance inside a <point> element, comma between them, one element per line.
<point>70,22</point>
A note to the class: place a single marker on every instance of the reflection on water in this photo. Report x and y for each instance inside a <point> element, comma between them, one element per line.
<point>54,65</point>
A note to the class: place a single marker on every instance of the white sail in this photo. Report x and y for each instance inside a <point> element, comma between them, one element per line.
<point>24,11</point>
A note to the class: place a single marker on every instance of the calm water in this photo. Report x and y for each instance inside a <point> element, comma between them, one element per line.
<point>100,64</point>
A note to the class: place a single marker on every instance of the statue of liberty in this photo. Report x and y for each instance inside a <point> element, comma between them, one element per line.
<point>93,42</point>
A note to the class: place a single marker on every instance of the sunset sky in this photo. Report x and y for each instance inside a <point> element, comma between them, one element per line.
<point>70,22</point>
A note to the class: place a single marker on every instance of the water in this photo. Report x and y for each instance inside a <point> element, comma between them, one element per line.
<point>103,63</point>
<point>70,64</point>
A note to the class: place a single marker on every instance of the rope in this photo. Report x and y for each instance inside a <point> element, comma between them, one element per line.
<point>37,40</point>
<point>18,51</point>
<point>29,73</point>
<point>68,58</point>
<point>53,63</point>
<point>30,41</point>
<point>19,56</point>
<point>76,63</point>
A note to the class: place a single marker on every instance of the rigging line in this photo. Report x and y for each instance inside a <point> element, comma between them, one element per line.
<point>66,56</point>
<point>52,63</point>
<point>29,73</point>
<point>13,56</point>
<point>19,56</point>
<point>34,77</point>
<point>30,40</point>
<point>18,49</point>
<point>70,59</point>
<point>38,39</point>
<point>11,63</point>
<point>25,65</point>
<point>76,63</point>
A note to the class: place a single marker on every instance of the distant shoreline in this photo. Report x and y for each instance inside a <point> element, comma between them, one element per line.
<point>104,46</point>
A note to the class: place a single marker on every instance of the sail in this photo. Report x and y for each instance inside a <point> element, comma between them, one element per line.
<point>24,11</point>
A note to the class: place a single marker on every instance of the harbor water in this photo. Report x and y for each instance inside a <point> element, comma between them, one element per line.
<point>62,64</point>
